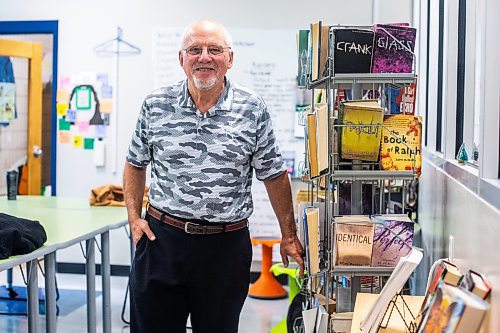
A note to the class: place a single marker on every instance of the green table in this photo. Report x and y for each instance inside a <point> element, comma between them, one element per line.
<point>67,221</point>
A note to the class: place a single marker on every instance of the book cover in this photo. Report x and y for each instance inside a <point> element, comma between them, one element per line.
<point>352,50</point>
<point>392,238</point>
<point>401,147</point>
<point>393,47</point>
<point>401,99</point>
<point>322,137</point>
<point>453,310</point>
<point>312,145</point>
<point>473,314</point>
<point>323,52</point>
<point>312,239</point>
<point>477,284</point>
<point>302,57</point>
<point>444,312</point>
<point>446,272</point>
<point>315,49</point>
<point>300,225</point>
<point>359,140</point>
<point>353,240</point>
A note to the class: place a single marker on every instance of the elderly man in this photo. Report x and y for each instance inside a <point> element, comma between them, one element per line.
<point>204,137</point>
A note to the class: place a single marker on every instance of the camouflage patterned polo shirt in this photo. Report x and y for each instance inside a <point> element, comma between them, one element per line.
<point>202,164</point>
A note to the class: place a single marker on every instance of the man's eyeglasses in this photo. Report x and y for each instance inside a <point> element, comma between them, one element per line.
<point>213,50</point>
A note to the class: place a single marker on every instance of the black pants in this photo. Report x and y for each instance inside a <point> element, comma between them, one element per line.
<point>179,274</point>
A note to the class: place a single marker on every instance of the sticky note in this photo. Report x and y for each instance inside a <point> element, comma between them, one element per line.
<point>62,108</point>
<point>77,141</point>
<point>64,137</point>
<point>100,131</point>
<point>62,96</point>
<point>106,105</point>
<point>63,125</point>
<point>106,91</point>
<point>102,77</point>
<point>88,143</point>
<point>64,82</point>
<point>83,126</point>
<point>71,115</point>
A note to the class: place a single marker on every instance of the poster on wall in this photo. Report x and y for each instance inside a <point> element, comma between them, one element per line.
<point>7,92</point>
<point>81,122</point>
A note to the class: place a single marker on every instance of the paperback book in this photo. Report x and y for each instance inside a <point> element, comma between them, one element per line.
<point>353,240</point>
<point>392,239</point>
<point>352,51</point>
<point>401,147</point>
<point>393,47</point>
<point>360,129</point>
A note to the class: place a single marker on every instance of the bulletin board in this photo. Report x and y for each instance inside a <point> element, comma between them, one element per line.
<point>264,61</point>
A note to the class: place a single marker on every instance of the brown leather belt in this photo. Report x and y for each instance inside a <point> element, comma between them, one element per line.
<point>195,228</point>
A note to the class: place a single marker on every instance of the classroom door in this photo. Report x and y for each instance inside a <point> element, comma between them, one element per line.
<point>32,101</point>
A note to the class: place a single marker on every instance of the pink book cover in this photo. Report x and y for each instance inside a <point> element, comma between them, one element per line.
<point>387,247</point>
<point>393,47</point>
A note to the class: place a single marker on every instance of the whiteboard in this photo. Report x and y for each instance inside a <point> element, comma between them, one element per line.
<point>266,62</point>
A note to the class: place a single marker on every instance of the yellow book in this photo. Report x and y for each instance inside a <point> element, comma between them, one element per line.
<point>315,49</point>
<point>402,143</point>
<point>359,140</point>
<point>312,239</point>
<point>312,146</point>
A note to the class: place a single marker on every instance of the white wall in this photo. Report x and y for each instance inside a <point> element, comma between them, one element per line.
<point>447,207</point>
<point>83,25</point>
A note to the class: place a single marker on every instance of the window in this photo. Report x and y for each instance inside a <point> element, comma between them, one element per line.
<point>462,32</point>
<point>439,120</point>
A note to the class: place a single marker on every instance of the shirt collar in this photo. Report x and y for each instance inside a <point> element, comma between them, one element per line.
<point>223,104</point>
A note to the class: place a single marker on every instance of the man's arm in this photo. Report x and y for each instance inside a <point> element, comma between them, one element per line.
<point>280,195</point>
<point>134,180</point>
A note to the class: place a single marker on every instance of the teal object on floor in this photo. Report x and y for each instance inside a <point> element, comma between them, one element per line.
<point>292,271</point>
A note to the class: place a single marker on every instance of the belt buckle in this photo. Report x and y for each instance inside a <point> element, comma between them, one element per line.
<point>186,224</point>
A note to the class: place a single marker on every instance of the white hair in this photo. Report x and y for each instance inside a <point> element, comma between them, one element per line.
<point>187,31</point>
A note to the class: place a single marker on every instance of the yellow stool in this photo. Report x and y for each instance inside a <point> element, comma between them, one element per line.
<point>266,286</point>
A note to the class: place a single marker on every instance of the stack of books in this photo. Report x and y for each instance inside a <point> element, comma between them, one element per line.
<point>454,302</point>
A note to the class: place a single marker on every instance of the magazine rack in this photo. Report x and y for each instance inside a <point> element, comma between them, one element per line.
<point>356,172</point>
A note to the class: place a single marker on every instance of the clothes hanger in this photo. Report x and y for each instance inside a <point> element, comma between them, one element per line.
<point>116,45</point>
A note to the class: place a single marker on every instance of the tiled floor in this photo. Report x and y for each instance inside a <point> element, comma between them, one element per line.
<point>258,316</point>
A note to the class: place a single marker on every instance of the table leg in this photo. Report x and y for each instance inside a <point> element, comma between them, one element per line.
<point>32,269</point>
<point>50,292</point>
<point>90,270</point>
<point>105,275</point>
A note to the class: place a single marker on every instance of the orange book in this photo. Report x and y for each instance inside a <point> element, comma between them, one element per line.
<point>401,147</point>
